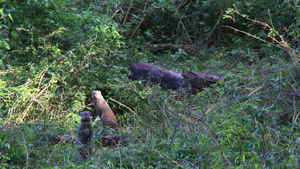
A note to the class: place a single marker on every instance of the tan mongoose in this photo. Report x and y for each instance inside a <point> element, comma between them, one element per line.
<point>85,134</point>
<point>102,109</point>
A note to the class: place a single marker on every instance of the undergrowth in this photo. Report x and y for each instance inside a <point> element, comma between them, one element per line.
<point>56,53</point>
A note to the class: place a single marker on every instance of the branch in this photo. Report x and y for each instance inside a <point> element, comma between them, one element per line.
<point>253,36</point>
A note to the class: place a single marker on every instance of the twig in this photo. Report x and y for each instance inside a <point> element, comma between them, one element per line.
<point>186,47</point>
<point>123,105</point>
<point>181,23</point>
<point>127,13</point>
<point>254,91</point>
<point>218,21</point>
<point>136,28</point>
<point>25,112</point>
<point>27,154</point>
<point>253,36</point>
<point>281,44</point>
<point>140,21</point>
<point>161,153</point>
<point>117,11</point>
<point>209,110</point>
<point>182,3</point>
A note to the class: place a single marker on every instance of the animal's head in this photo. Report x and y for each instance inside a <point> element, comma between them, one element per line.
<point>96,94</point>
<point>85,116</point>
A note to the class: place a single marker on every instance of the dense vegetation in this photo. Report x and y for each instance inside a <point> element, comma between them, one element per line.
<point>55,52</point>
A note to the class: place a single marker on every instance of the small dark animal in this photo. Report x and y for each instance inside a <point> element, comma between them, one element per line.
<point>102,109</point>
<point>85,134</point>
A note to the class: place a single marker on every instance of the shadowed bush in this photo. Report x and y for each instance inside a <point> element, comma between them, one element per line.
<point>54,53</point>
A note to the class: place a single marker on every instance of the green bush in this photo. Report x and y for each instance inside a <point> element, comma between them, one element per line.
<point>54,53</point>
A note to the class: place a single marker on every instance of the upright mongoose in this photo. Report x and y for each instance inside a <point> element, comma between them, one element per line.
<point>102,109</point>
<point>85,134</point>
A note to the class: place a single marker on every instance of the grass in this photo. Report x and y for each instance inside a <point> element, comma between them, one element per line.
<point>237,123</point>
<point>247,120</point>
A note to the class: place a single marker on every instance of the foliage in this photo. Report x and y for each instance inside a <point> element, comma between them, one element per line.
<point>278,40</point>
<point>55,52</point>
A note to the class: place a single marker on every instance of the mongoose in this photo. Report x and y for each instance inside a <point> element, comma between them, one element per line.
<point>102,109</point>
<point>85,134</point>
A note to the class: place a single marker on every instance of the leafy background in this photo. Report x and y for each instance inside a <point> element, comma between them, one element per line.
<point>55,52</point>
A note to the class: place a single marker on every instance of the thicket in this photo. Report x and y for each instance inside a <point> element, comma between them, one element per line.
<point>55,52</point>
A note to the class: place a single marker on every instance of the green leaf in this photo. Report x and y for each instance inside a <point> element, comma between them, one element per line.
<point>4,45</point>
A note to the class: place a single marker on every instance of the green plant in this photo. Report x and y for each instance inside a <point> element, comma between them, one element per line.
<point>272,33</point>
<point>51,62</point>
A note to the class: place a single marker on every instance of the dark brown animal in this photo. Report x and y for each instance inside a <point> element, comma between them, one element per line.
<point>85,134</point>
<point>102,109</point>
